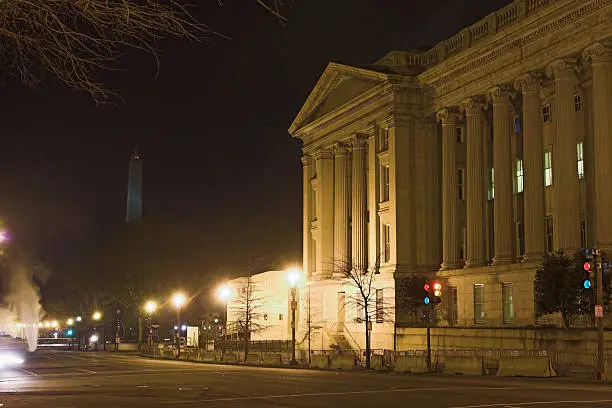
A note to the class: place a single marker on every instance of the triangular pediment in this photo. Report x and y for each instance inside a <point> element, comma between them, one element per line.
<point>339,85</point>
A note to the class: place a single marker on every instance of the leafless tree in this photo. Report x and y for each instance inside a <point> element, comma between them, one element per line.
<point>71,40</point>
<point>246,311</point>
<point>365,280</point>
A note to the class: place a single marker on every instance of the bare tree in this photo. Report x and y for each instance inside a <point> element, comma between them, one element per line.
<point>366,282</point>
<point>246,311</point>
<point>72,39</point>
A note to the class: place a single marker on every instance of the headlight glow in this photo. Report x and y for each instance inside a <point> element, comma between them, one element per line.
<point>10,360</point>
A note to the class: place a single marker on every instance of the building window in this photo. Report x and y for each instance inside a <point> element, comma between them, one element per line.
<point>386,242</point>
<point>384,185</point>
<point>491,192</point>
<point>517,124</point>
<point>518,177</point>
<point>508,302</point>
<point>460,184</point>
<point>520,238</point>
<point>580,156</point>
<point>453,311</point>
<point>380,310</point>
<point>280,316</point>
<point>578,102</point>
<point>583,231</point>
<point>548,174</point>
<point>550,236</point>
<point>459,134</point>
<point>546,116</point>
<point>479,313</point>
<point>384,140</point>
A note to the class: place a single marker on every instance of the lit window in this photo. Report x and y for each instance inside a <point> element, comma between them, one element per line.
<point>550,237</point>
<point>479,312</point>
<point>491,192</point>
<point>460,184</point>
<point>459,135</point>
<point>386,242</point>
<point>520,238</point>
<point>518,179</point>
<point>453,311</point>
<point>548,174</point>
<point>578,103</point>
<point>380,311</point>
<point>508,302</point>
<point>546,115</point>
<point>580,154</point>
<point>517,124</point>
<point>384,171</point>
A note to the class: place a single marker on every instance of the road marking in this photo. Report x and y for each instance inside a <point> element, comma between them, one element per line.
<point>531,403</point>
<point>325,394</point>
<point>85,371</point>
<point>29,372</point>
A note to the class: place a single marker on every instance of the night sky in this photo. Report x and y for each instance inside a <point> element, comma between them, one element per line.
<point>211,126</point>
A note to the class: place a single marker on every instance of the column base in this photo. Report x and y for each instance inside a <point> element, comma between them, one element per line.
<point>501,261</point>
<point>450,267</point>
<point>532,258</point>
<point>475,264</point>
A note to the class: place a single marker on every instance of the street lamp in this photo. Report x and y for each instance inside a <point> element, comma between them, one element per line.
<point>150,308</point>
<point>224,293</point>
<point>179,300</point>
<point>97,316</point>
<point>70,322</point>
<point>293,277</point>
<point>79,318</point>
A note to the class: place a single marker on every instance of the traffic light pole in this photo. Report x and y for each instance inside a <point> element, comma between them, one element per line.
<point>427,318</point>
<point>600,323</point>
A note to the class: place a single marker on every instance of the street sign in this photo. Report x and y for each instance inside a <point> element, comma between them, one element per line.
<point>598,311</point>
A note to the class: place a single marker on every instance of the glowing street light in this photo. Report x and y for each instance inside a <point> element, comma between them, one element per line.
<point>79,318</point>
<point>151,307</point>
<point>97,316</point>
<point>179,300</point>
<point>70,322</point>
<point>293,277</point>
<point>47,324</point>
<point>40,324</point>
<point>54,324</point>
<point>224,292</point>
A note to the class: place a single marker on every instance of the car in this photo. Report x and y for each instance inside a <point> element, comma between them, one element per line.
<point>12,351</point>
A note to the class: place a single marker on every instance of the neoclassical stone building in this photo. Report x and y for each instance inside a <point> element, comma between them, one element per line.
<point>468,161</point>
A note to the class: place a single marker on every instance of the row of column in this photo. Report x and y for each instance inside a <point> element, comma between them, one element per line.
<point>566,221</point>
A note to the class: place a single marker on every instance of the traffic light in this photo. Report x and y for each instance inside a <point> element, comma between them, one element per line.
<point>426,289</point>
<point>437,292</point>
<point>586,281</point>
<point>69,332</point>
<point>433,293</point>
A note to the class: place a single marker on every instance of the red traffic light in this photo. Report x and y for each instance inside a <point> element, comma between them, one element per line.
<point>587,266</point>
<point>426,287</point>
<point>437,285</point>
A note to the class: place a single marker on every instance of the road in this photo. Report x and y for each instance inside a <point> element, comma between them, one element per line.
<point>89,380</point>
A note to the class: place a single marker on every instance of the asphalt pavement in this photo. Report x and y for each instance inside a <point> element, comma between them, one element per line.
<point>89,380</point>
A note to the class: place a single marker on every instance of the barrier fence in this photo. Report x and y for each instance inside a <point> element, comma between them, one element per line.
<point>563,362</point>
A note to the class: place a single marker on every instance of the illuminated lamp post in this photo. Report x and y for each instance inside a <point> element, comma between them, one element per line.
<point>293,277</point>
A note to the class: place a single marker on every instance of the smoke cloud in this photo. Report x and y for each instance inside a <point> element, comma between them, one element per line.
<point>22,309</point>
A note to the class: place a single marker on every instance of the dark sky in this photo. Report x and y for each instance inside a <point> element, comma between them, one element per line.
<point>212,127</point>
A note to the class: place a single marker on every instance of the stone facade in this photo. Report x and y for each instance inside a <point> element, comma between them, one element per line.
<point>468,161</point>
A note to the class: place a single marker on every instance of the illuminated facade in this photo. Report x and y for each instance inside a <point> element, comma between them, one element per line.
<point>468,161</point>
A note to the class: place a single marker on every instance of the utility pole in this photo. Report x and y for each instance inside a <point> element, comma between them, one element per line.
<point>599,316</point>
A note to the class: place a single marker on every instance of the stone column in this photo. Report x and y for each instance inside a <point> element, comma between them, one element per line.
<point>307,214</point>
<point>476,243</point>
<point>373,198</point>
<point>359,245</point>
<point>450,243</point>
<point>325,212</point>
<point>566,220</point>
<point>502,150</point>
<point>533,168</point>
<point>341,207</point>
<point>601,56</point>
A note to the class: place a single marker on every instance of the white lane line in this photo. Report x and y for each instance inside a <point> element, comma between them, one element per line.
<point>531,403</point>
<point>29,372</point>
<point>326,394</point>
<point>85,371</point>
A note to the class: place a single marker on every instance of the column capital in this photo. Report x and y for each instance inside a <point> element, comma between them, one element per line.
<point>324,153</point>
<point>341,149</point>
<point>306,160</point>
<point>394,120</point>
<point>530,82</point>
<point>473,105</point>
<point>359,140</point>
<point>598,52</point>
<point>448,116</point>
<point>562,68</point>
<point>501,94</point>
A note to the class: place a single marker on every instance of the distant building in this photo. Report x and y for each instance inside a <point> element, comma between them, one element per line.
<point>134,189</point>
<point>468,161</point>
